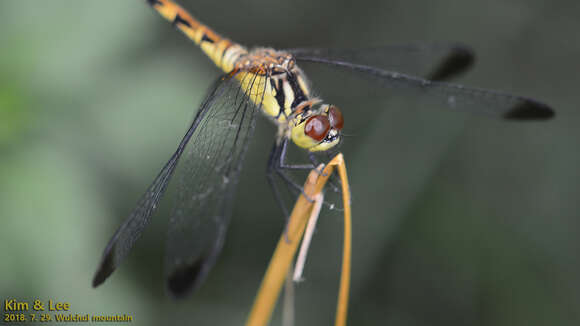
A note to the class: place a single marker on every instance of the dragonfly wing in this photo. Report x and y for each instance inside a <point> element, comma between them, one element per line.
<point>434,61</point>
<point>207,179</point>
<point>129,232</point>
<point>452,96</point>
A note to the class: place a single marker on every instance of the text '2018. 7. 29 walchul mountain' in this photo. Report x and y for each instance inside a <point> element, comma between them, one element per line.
<point>269,81</point>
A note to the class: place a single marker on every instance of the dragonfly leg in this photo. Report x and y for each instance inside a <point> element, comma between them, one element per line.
<point>280,167</point>
<point>270,176</point>
<point>282,160</point>
<point>276,167</point>
<point>333,183</point>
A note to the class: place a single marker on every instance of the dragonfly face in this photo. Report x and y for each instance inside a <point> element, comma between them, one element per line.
<point>320,131</point>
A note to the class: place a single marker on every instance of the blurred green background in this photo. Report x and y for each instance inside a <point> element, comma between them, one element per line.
<point>458,219</point>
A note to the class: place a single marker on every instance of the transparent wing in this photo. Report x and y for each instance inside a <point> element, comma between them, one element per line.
<point>129,232</point>
<point>434,61</point>
<point>452,96</point>
<point>207,179</point>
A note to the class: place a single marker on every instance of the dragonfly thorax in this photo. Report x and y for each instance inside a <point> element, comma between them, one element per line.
<point>278,86</point>
<point>266,61</point>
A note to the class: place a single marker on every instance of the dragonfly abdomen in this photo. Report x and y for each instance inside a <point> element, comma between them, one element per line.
<point>223,52</point>
<point>269,77</point>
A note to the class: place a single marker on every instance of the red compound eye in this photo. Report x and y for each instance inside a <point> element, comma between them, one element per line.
<point>317,127</point>
<point>335,117</point>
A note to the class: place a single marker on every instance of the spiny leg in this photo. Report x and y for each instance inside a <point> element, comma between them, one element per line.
<point>333,183</point>
<point>275,167</point>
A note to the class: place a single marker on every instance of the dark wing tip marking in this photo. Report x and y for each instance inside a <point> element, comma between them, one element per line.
<point>106,267</point>
<point>530,110</point>
<point>458,61</point>
<point>185,278</point>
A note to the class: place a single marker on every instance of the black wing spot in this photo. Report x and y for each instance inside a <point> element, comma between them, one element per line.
<point>530,110</point>
<point>205,38</point>
<point>453,64</point>
<point>179,20</point>
<point>106,267</point>
<point>185,278</point>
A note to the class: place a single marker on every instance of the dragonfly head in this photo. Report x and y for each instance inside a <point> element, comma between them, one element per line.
<point>318,130</point>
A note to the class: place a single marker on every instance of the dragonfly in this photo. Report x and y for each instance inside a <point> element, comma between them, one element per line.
<point>269,82</point>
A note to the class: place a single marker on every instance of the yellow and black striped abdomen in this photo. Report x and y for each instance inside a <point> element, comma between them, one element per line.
<point>221,51</point>
<point>270,78</point>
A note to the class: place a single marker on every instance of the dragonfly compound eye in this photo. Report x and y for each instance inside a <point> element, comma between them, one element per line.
<point>335,117</point>
<point>317,127</point>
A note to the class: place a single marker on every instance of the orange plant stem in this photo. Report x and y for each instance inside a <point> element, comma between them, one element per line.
<point>287,245</point>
